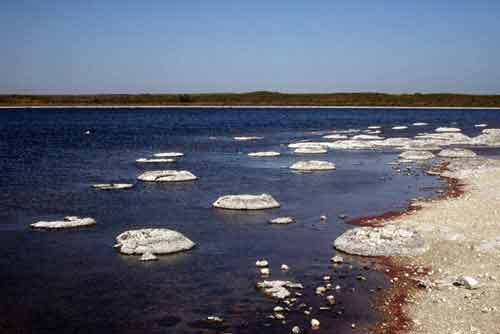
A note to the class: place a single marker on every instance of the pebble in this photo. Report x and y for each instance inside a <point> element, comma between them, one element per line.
<point>331,300</point>
<point>265,271</point>
<point>261,263</point>
<point>315,323</point>
<point>323,218</point>
<point>215,319</point>
<point>284,267</point>
<point>296,330</point>
<point>337,259</point>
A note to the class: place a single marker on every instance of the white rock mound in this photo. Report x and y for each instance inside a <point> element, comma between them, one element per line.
<point>152,241</point>
<point>282,220</point>
<point>313,165</point>
<point>457,153</point>
<point>400,127</point>
<point>416,155</point>
<point>381,241</point>
<point>264,154</point>
<point>67,222</point>
<point>310,150</point>
<point>167,176</point>
<point>169,155</point>
<point>446,129</point>
<point>112,186</point>
<point>246,202</point>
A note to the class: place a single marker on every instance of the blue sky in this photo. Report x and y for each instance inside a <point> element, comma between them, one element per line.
<point>69,46</point>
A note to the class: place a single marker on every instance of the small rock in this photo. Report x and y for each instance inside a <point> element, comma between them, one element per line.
<point>148,256</point>
<point>282,220</point>
<point>296,330</point>
<point>215,319</point>
<point>469,282</point>
<point>323,218</point>
<point>284,267</point>
<point>337,259</point>
<point>331,300</point>
<point>265,271</point>
<point>315,323</point>
<point>261,263</point>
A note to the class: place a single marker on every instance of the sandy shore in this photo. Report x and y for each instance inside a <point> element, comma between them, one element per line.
<point>464,237</point>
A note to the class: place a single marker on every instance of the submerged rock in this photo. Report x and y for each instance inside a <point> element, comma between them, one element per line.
<point>416,155</point>
<point>400,127</point>
<point>335,136</point>
<point>355,144</point>
<point>381,241</point>
<point>169,155</point>
<point>112,186</point>
<point>447,129</point>
<point>367,137</point>
<point>148,256</point>
<point>264,154</point>
<point>310,150</point>
<point>282,220</point>
<point>313,165</point>
<point>246,202</point>
<point>457,153</point>
<point>67,222</point>
<point>420,124</point>
<point>152,241</point>
<point>482,125</point>
<point>243,138</point>
<point>155,160</point>
<point>278,289</point>
<point>167,176</point>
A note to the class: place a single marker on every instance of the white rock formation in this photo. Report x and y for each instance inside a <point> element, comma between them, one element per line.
<point>112,186</point>
<point>313,165</point>
<point>367,137</point>
<point>355,144</point>
<point>457,153</point>
<point>243,138</point>
<point>169,155</point>
<point>282,220</point>
<point>447,129</point>
<point>155,160</point>
<point>264,154</point>
<point>310,150</point>
<point>482,125</point>
<point>152,241</point>
<point>246,202</point>
<point>335,136</point>
<point>416,155</point>
<point>67,222</point>
<point>420,124</point>
<point>167,176</point>
<point>374,127</point>
<point>277,289</point>
<point>400,127</point>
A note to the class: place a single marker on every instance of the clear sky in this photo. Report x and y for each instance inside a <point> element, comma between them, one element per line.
<point>100,46</point>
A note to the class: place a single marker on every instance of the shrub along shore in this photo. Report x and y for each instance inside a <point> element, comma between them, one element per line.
<point>257,99</point>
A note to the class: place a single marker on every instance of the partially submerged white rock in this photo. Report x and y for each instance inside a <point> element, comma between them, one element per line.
<point>355,144</point>
<point>310,150</point>
<point>457,153</point>
<point>400,127</point>
<point>112,186</point>
<point>169,155</point>
<point>381,241</point>
<point>416,155</point>
<point>313,165</point>
<point>167,176</point>
<point>282,220</point>
<point>148,256</point>
<point>447,129</point>
<point>278,289</point>
<point>374,127</point>
<point>243,138</point>
<point>335,136</point>
<point>152,241</point>
<point>420,124</point>
<point>246,202</point>
<point>482,125</point>
<point>154,160</point>
<point>367,137</point>
<point>311,144</point>
<point>67,222</point>
<point>264,154</point>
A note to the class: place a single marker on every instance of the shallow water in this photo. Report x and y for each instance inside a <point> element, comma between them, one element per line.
<point>73,281</point>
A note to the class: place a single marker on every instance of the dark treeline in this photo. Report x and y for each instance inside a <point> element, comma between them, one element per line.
<point>257,99</point>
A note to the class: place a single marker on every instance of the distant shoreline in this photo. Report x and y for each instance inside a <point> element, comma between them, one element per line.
<point>236,107</point>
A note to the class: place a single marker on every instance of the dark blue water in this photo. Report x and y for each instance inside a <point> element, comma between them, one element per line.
<point>74,282</point>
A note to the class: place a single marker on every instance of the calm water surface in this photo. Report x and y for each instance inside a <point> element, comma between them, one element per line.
<point>74,282</point>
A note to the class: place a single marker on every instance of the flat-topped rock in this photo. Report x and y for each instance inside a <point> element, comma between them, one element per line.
<point>167,176</point>
<point>313,165</point>
<point>169,155</point>
<point>420,124</point>
<point>282,220</point>
<point>264,154</point>
<point>310,150</point>
<point>311,144</point>
<point>243,138</point>
<point>482,125</point>
<point>367,137</point>
<point>355,144</point>
<point>246,202</point>
<point>374,127</point>
<point>154,160</point>
<point>112,186</point>
<point>457,153</point>
<point>416,155</point>
<point>67,222</point>
<point>400,127</point>
<point>381,241</point>
<point>152,241</point>
<point>447,129</point>
<point>394,142</point>
<point>336,136</point>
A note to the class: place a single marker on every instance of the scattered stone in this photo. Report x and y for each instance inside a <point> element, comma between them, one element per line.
<point>264,154</point>
<point>296,330</point>
<point>323,218</point>
<point>215,319</point>
<point>261,263</point>
<point>246,202</point>
<point>284,268</point>
<point>282,220</point>
<point>337,259</point>
<point>420,124</point>
<point>152,240</point>
<point>482,125</point>
<point>457,153</point>
<point>331,300</point>
<point>277,289</point>
<point>389,240</point>
<point>313,165</point>
<point>169,155</point>
<point>265,271</point>
<point>469,282</point>
<point>335,137</point>
<point>167,176</point>
<point>374,127</point>
<point>243,138</point>
<point>112,186</point>
<point>320,290</point>
<point>315,323</point>
<point>401,127</point>
<point>67,222</point>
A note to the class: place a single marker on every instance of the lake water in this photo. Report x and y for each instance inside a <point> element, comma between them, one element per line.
<point>75,282</point>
